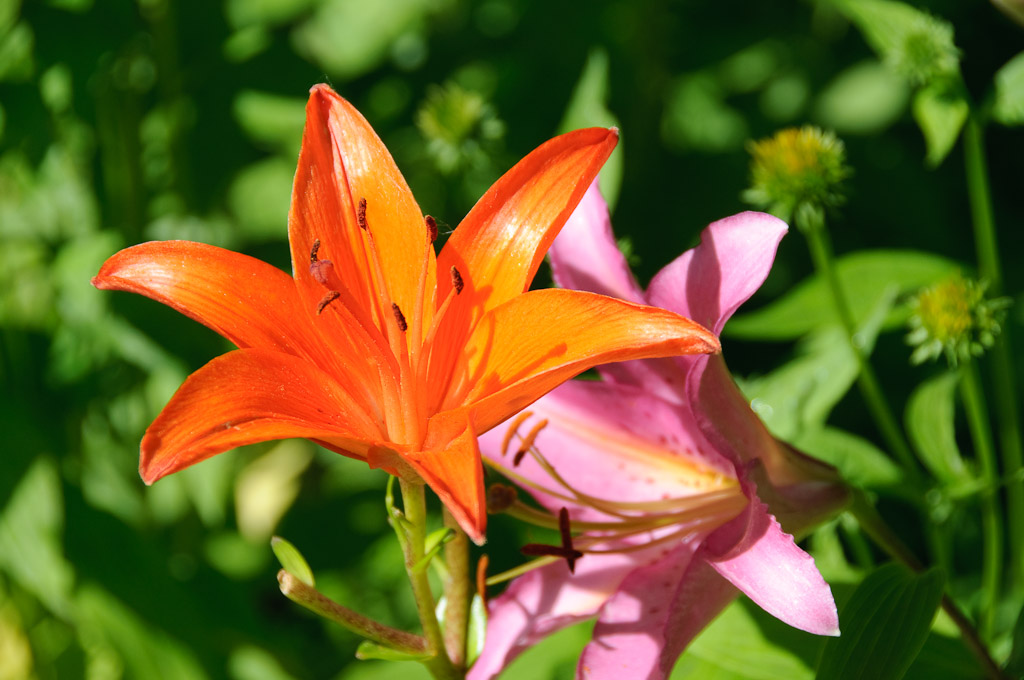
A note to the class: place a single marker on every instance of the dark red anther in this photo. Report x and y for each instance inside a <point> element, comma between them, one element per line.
<point>457,282</point>
<point>565,550</point>
<point>399,317</point>
<point>518,458</point>
<point>326,300</point>
<point>361,214</point>
<point>431,228</point>
<point>313,251</point>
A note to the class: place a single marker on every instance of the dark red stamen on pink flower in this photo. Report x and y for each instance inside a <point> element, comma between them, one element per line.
<point>565,550</point>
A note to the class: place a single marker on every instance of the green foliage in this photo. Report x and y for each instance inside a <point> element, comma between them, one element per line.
<point>292,560</point>
<point>930,425</point>
<point>865,277</point>
<point>885,624</point>
<point>1008,107</point>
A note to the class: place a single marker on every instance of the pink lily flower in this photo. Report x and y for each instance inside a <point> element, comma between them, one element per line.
<point>683,497</point>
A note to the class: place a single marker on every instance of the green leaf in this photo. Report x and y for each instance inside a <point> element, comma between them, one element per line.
<point>947,658</point>
<point>145,652</point>
<point>929,420</point>
<point>372,650</point>
<point>553,658</point>
<point>31,537</point>
<point>745,643</point>
<point>864,277</point>
<point>798,397</point>
<point>863,99</point>
<point>940,112</point>
<point>1008,107</point>
<point>1015,664</point>
<point>859,462</point>
<point>292,560</point>
<point>274,121</point>
<point>588,107</point>
<point>885,623</point>
<point>477,628</point>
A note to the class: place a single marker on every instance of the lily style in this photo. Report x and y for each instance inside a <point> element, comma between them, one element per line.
<point>376,347</point>
<point>679,496</point>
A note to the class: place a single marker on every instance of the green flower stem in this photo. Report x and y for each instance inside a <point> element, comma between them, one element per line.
<point>821,253</point>
<point>457,593</point>
<point>987,247</point>
<point>991,520</point>
<point>310,598</point>
<point>879,532</point>
<point>414,504</point>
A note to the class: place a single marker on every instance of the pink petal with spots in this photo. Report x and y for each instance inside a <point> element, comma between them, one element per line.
<point>614,442</point>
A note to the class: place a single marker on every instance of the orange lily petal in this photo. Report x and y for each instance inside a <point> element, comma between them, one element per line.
<point>248,396</point>
<point>538,340</point>
<point>500,244</point>
<point>249,302</point>
<point>454,471</point>
<point>342,161</point>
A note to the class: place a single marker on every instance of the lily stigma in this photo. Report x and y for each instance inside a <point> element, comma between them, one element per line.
<point>376,347</point>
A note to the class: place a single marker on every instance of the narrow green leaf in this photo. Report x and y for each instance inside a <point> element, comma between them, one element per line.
<point>588,107</point>
<point>929,420</point>
<point>292,560</point>
<point>371,650</point>
<point>864,276</point>
<point>1008,108</point>
<point>885,623</point>
<point>940,112</point>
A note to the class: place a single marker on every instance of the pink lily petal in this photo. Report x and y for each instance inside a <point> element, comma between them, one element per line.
<point>758,557</point>
<point>613,442</point>
<point>711,281</point>
<point>545,601</point>
<point>635,624</point>
<point>585,255</point>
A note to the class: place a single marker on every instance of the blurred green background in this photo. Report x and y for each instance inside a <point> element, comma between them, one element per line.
<point>123,121</point>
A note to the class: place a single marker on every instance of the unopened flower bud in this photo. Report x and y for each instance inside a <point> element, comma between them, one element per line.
<point>794,167</point>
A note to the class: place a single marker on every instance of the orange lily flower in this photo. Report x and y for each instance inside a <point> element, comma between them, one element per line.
<point>376,348</point>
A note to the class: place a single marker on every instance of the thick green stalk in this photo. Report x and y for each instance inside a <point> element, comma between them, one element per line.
<point>991,520</point>
<point>310,598</point>
<point>876,528</point>
<point>457,593</point>
<point>1010,438</point>
<point>414,504</point>
<point>821,253</point>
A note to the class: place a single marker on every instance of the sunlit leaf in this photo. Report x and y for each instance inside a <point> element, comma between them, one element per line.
<point>146,651</point>
<point>864,277</point>
<point>929,420</point>
<point>864,99</point>
<point>859,462</point>
<point>588,107</point>
<point>698,117</point>
<point>252,663</point>
<point>292,560</point>
<point>940,113</point>
<point>31,537</point>
<point>885,623</point>
<point>745,643</point>
<point>268,486</point>
<point>1008,108</point>
<point>272,120</point>
<point>553,658</point>
<point>798,396</point>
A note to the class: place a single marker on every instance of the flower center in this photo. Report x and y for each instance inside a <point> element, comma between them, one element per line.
<point>615,525</point>
<point>394,343</point>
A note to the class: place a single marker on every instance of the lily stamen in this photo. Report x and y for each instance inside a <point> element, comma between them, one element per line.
<point>326,300</point>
